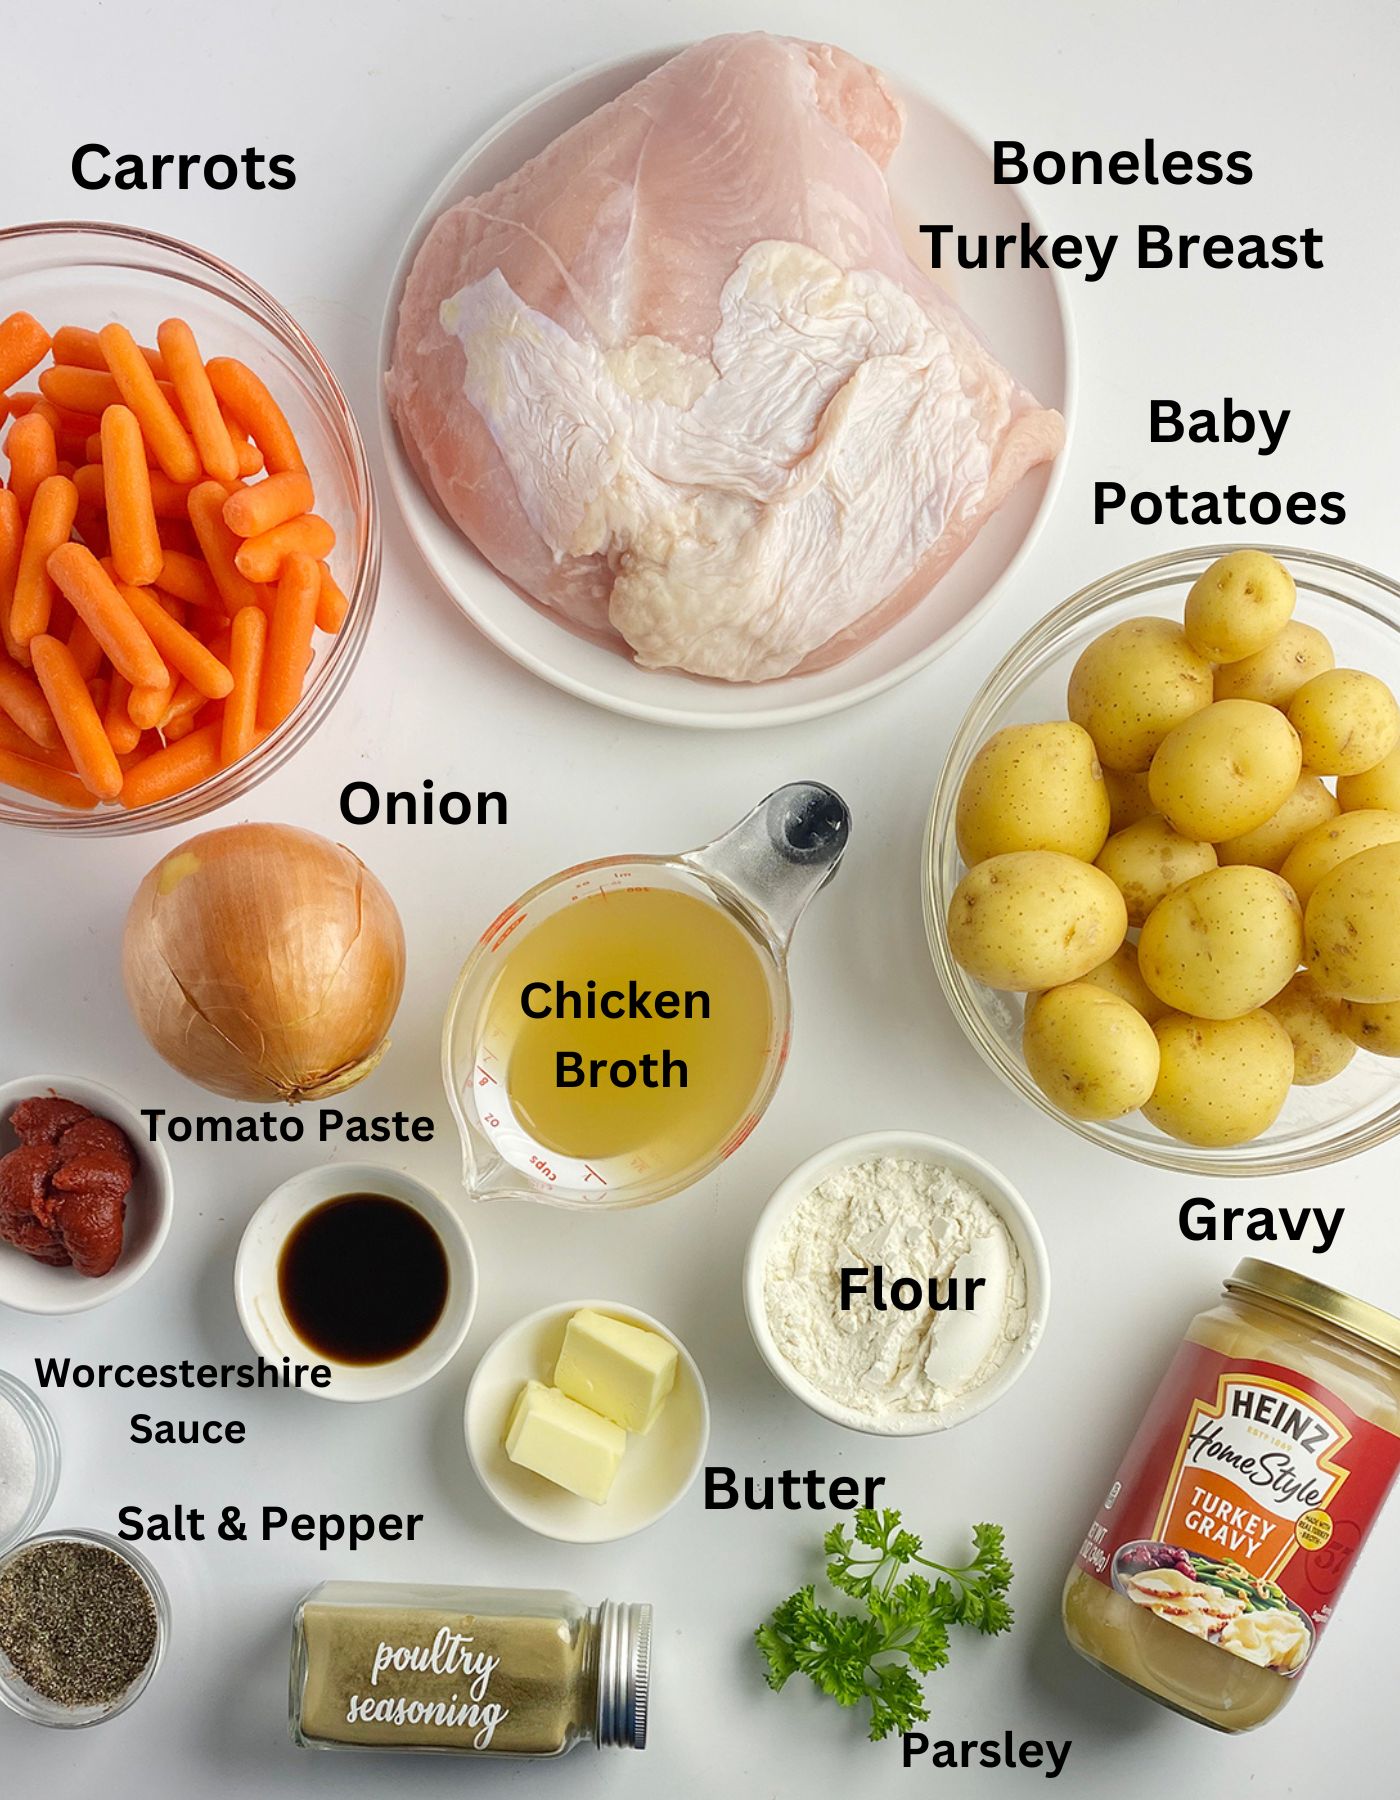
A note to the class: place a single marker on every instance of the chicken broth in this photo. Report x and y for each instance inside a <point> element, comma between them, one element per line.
<point>632,1026</point>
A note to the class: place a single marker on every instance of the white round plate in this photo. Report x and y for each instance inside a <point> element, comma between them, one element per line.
<point>258,1300</point>
<point>656,1469</point>
<point>940,174</point>
<point>35,1287</point>
<point>914,1146</point>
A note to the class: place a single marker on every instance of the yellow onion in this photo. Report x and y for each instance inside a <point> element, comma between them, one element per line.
<point>265,963</point>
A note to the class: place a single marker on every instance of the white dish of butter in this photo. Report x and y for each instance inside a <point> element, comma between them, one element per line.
<point>655,1469</point>
<point>896,1284</point>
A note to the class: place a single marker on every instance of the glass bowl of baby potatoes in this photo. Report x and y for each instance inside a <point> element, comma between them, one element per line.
<point>1162,867</point>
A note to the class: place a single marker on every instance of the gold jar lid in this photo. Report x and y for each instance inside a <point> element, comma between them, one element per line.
<point>1358,1318</point>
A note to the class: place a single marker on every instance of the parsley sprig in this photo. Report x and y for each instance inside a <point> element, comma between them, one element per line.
<point>902,1629</point>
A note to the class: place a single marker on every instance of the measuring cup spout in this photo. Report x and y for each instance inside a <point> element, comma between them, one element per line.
<point>787,848</point>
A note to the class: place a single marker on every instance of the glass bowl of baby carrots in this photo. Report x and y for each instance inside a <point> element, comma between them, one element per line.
<point>189,540</point>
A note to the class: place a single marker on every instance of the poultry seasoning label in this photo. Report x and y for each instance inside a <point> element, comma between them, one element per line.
<point>1240,1506</point>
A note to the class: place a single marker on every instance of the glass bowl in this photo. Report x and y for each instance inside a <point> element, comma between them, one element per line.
<point>17,1694</point>
<point>35,1418</point>
<point>75,273</point>
<point>1359,610</point>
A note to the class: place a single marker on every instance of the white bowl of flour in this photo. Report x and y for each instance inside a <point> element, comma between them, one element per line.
<point>897,1284</point>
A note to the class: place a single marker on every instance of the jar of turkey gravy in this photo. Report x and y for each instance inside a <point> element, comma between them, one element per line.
<point>1212,1569</point>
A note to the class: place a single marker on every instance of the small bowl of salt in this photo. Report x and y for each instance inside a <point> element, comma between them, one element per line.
<point>897,1284</point>
<point>29,1461</point>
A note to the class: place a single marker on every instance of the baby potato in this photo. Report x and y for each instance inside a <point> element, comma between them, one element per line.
<point>1328,845</point>
<point>1225,770</point>
<point>1240,604</point>
<point>1347,720</point>
<point>1275,673</point>
<point>1353,947</point>
<point>1376,789</point>
<point>1034,787</point>
<point>1121,975</point>
<point>1128,798</point>
<point>1223,943</point>
<point>1374,1028</point>
<point>1034,919</point>
<point>1132,685</point>
<point>1147,860</point>
<point>1222,1081</point>
<point>1090,1052</point>
<point>1317,1026</point>
<point>1308,806</point>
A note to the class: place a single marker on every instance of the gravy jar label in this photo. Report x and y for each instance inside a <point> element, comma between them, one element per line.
<point>1240,1506</point>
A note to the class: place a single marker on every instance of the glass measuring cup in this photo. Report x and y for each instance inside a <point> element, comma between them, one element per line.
<point>760,876</point>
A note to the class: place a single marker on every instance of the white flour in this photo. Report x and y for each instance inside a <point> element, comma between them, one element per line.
<point>915,1219</point>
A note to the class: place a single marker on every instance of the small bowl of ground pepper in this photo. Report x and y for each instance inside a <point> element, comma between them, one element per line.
<point>84,1622</point>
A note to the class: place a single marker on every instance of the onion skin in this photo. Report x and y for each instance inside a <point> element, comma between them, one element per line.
<point>265,963</point>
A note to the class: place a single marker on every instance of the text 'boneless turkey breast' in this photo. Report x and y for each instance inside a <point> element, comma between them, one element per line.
<point>679,381</point>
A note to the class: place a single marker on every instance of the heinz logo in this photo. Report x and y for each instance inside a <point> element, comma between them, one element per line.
<point>1283,1414</point>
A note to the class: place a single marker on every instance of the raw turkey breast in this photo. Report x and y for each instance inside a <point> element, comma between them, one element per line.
<point>679,381</point>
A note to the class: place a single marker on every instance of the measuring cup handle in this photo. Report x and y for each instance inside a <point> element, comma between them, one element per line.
<point>787,848</point>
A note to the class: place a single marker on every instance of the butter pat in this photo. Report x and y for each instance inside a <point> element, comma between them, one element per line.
<point>565,1442</point>
<point>622,1371</point>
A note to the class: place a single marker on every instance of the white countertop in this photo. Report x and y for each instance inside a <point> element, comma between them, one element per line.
<point>374,102</point>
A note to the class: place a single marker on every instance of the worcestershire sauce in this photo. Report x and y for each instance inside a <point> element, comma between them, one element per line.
<point>363,1279</point>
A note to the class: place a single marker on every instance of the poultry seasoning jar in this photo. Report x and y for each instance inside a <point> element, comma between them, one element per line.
<point>470,1671</point>
<point>1216,1560</point>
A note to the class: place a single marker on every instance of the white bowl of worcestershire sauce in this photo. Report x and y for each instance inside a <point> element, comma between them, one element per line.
<point>360,1268</point>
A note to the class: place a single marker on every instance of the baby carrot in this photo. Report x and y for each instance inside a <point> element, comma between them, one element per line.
<point>180,649</point>
<point>77,345</point>
<point>185,702</point>
<point>289,639</point>
<point>33,455</point>
<point>160,426</point>
<point>11,542</point>
<point>173,769</point>
<point>244,395</point>
<point>247,646</point>
<point>23,343</point>
<point>188,579</point>
<point>219,545</point>
<point>126,484</point>
<point>79,390</point>
<point>255,509</point>
<point>44,782</point>
<point>94,597</point>
<point>50,520</point>
<point>22,700</point>
<point>87,652</point>
<point>122,733</point>
<point>250,458</point>
<point>332,605</point>
<point>197,402</point>
<point>262,558</point>
<point>19,743</point>
<point>147,706</point>
<point>76,717</point>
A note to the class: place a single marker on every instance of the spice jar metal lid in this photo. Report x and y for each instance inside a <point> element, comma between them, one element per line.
<point>624,1675</point>
<point>1358,1318</point>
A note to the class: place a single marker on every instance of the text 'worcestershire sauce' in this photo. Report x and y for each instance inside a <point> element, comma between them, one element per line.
<point>363,1279</point>
<point>635,1023</point>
